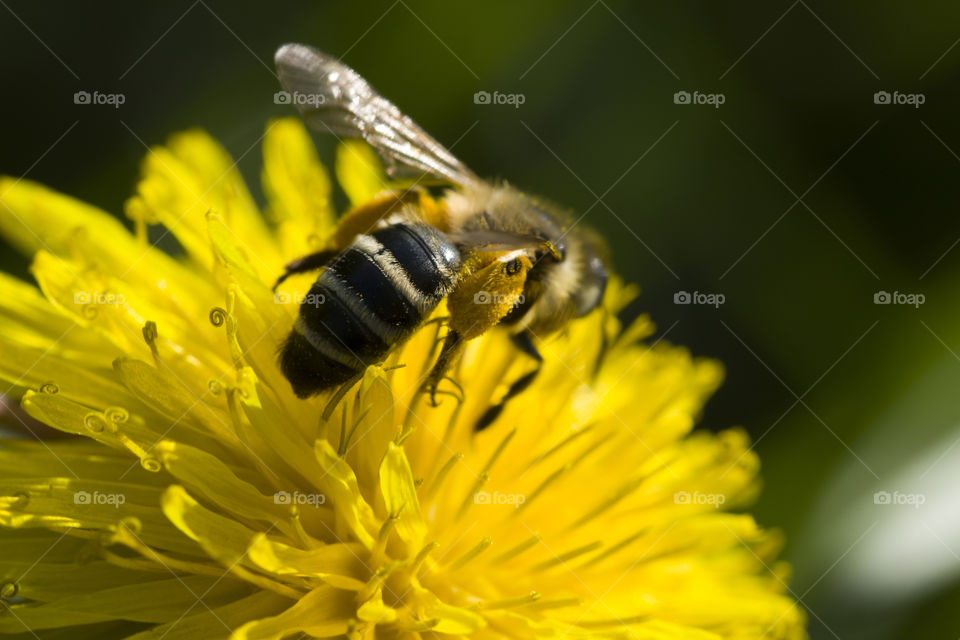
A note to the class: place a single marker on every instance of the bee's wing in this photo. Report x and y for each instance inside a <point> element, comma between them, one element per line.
<point>334,98</point>
<point>496,240</point>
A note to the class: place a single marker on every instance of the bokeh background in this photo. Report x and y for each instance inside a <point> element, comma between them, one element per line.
<point>797,199</point>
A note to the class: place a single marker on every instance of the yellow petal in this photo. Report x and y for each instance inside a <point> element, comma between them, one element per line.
<point>322,613</point>
<point>159,600</point>
<point>359,171</point>
<point>189,177</point>
<point>74,457</point>
<point>447,618</point>
<point>223,188</point>
<point>26,313</point>
<point>372,430</point>
<point>114,426</point>
<point>400,496</point>
<point>375,611</point>
<point>84,382</point>
<point>259,333</point>
<point>224,539</point>
<point>216,623</point>
<point>339,565</point>
<point>167,396</point>
<point>246,269</point>
<point>50,581</point>
<point>340,485</point>
<point>206,475</point>
<point>62,503</point>
<point>297,186</point>
<point>34,217</point>
<point>268,424</point>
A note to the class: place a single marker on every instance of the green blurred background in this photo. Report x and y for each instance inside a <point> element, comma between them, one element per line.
<point>797,199</point>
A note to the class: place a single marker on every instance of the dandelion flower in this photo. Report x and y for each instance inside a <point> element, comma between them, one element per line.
<point>195,497</point>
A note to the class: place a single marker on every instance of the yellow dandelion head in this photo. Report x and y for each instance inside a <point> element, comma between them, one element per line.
<point>197,497</point>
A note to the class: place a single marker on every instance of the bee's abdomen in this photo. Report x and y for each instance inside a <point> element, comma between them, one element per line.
<point>370,297</point>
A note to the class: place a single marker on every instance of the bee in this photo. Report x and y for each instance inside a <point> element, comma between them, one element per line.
<point>497,255</point>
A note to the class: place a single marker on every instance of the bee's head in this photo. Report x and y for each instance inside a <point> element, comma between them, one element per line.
<point>573,263</point>
<point>567,277</point>
<point>572,255</point>
<point>593,283</point>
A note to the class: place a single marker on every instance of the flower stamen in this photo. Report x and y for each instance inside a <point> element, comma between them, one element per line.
<point>509,554</point>
<point>150,336</point>
<point>543,485</point>
<point>442,474</point>
<point>509,603</point>
<point>479,548</point>
<point>569,555</point>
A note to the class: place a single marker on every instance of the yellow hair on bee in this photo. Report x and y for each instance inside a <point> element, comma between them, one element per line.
<point>492,287</point>
<point>410,204</point>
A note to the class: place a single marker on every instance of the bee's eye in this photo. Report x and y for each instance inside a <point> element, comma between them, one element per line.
<point>513,267</point>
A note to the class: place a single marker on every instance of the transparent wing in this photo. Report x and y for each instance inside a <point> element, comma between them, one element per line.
<point>495,240</point>
<point>334,98</point>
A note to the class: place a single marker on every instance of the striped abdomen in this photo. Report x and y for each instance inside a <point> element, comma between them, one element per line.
<point>370,298</point>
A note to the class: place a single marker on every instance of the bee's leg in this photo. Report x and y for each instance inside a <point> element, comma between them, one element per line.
<point>480,301</point>
<point>452,345</point>
<point>309,262</point>
<point>524,342</point>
